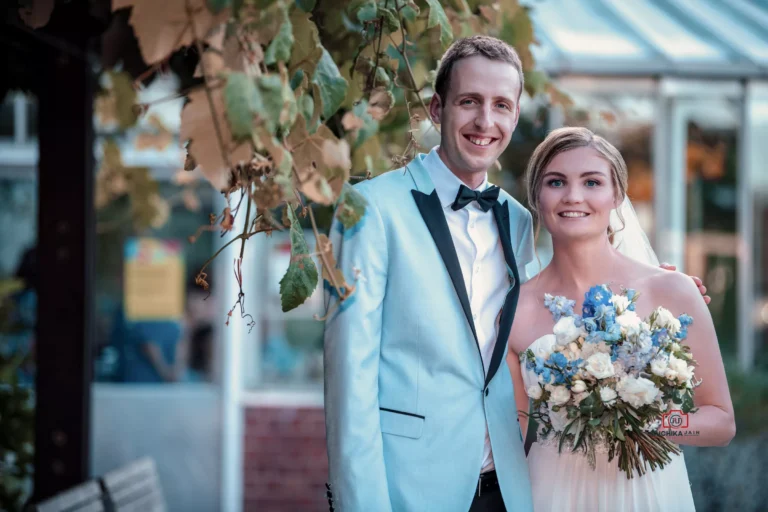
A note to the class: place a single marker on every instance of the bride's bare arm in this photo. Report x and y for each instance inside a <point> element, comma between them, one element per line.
<point>521,397</point>
<point>713,424</point>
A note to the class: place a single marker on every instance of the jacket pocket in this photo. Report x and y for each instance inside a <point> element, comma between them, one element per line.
<point>400,423</point>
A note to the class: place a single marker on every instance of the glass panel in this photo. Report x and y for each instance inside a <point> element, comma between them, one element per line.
<point>665,32</point>
<point>18,316</point>
<point>712,238</point>
<point>581,29</point>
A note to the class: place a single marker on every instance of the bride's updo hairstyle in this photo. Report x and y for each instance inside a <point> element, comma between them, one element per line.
<point>565,139</point>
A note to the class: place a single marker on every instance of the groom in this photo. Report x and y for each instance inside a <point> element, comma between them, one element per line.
<point>419,403</point>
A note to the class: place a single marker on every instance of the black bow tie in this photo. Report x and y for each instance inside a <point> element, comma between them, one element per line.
<point>485,199</point>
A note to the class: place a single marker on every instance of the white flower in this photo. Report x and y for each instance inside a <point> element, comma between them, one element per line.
<point>620,302</point>
<point>565,331</point>
<point>607,395</point>
<point>534,391</point>
<point>670,374</point>
<point>574,347</point>
<point>666,320</point>
<point>559,419</point>
<point>637,391</point>
<point>629,322</point>
<point>578,386</point>
<point>600,366</point>
<point>618,369</point>
<point>659,366</point>
<point>681,368</point>
<point>558,395</point>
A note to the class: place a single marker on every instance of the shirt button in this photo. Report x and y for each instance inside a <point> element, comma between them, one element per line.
<point>477,269</point>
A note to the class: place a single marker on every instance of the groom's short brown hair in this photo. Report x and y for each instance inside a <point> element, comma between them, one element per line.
<point>485,46</point>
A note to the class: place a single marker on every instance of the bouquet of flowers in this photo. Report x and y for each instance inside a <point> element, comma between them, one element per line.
<point>608,376</point>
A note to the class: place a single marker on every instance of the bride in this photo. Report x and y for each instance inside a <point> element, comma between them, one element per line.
<point>577,185</point>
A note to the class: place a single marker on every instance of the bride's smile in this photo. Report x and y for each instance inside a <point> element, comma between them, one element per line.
<point>577,194</point>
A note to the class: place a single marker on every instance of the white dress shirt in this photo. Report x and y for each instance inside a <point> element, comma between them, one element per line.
<point>481,257</point>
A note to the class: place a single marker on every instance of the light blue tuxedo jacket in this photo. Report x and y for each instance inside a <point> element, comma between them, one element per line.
<point>406,394</point>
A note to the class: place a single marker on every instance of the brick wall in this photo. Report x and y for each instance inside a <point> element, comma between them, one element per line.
<point>285,461</point>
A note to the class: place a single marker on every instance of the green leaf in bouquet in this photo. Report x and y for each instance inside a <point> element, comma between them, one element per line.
<point>592,406</point>
<point>300,280</point>
<point>687,402</point>
<point>581,431</point>
<point>594,422</point>
<point>216,6</point>
<point>618,431</point>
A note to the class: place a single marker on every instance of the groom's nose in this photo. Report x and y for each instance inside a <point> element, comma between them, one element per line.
<point>483,117</point>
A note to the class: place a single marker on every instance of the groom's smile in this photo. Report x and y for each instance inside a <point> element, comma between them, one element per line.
<point>477,116</point>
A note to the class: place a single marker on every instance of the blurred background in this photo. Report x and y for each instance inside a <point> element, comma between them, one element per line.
<point>231,412</point>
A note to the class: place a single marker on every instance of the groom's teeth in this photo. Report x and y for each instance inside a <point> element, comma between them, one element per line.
<point>573,214</point>
<point>480,142</point>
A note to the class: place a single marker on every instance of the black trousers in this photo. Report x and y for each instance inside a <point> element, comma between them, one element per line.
<point>490,501</point>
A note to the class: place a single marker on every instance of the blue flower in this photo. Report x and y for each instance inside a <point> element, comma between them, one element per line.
<point>685,320</point>
<point>559,306</point>
<point>659,337</point>
<point>606,314</point>
<point>558,359</point>
<point>590,325</point>
<point>612,334</point>
<point>596,296</point>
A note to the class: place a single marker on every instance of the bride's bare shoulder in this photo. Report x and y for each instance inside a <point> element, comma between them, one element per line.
<point>673,289</point>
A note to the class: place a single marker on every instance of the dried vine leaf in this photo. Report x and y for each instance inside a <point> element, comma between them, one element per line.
<point>381,103</point>
<point>163,27</point>
<point>322,161</point>
<point>331,273</point>
<point>280,47</point>
<point>243,101</point>
<point>198,127</point>
<point>307,50</point>
<point>333,86</point>
<point>351,207</point>
<point>300,280</point>
<point>437,17</point>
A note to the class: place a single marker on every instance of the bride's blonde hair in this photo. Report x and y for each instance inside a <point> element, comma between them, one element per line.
<point>565,139</point>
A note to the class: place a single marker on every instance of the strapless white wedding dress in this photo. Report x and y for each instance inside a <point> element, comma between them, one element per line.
<point>565,481</point>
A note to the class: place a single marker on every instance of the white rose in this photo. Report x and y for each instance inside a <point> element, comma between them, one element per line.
<point>629,322</point>
<point>620,302</point>
<point>670,374</point>
<point>534,391</point>
<point>559,419</point>
<point>659,366</point>
<point>574,347</point>
<point>565,331</point>
<point>578,386</point>
<point>637,391</point>
<point>681,368</point>
<point>607,395</point>
<point>600,366</point>
<point>666,320</point>
<point>558,395</point>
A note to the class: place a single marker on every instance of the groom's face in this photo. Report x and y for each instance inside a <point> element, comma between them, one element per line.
<point>478,114</point>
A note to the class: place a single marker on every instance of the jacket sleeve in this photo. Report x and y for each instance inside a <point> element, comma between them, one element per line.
<point>352,344</point>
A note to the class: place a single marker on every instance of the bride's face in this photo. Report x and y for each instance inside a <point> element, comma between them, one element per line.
<point>577,195</point>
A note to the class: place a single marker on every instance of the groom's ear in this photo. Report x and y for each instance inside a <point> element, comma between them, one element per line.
<point>436,108</point>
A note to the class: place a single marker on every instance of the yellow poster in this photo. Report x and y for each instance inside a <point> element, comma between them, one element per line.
<point>154,279</point>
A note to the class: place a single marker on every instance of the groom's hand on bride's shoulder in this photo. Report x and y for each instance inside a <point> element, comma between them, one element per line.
<point>699,283</point>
